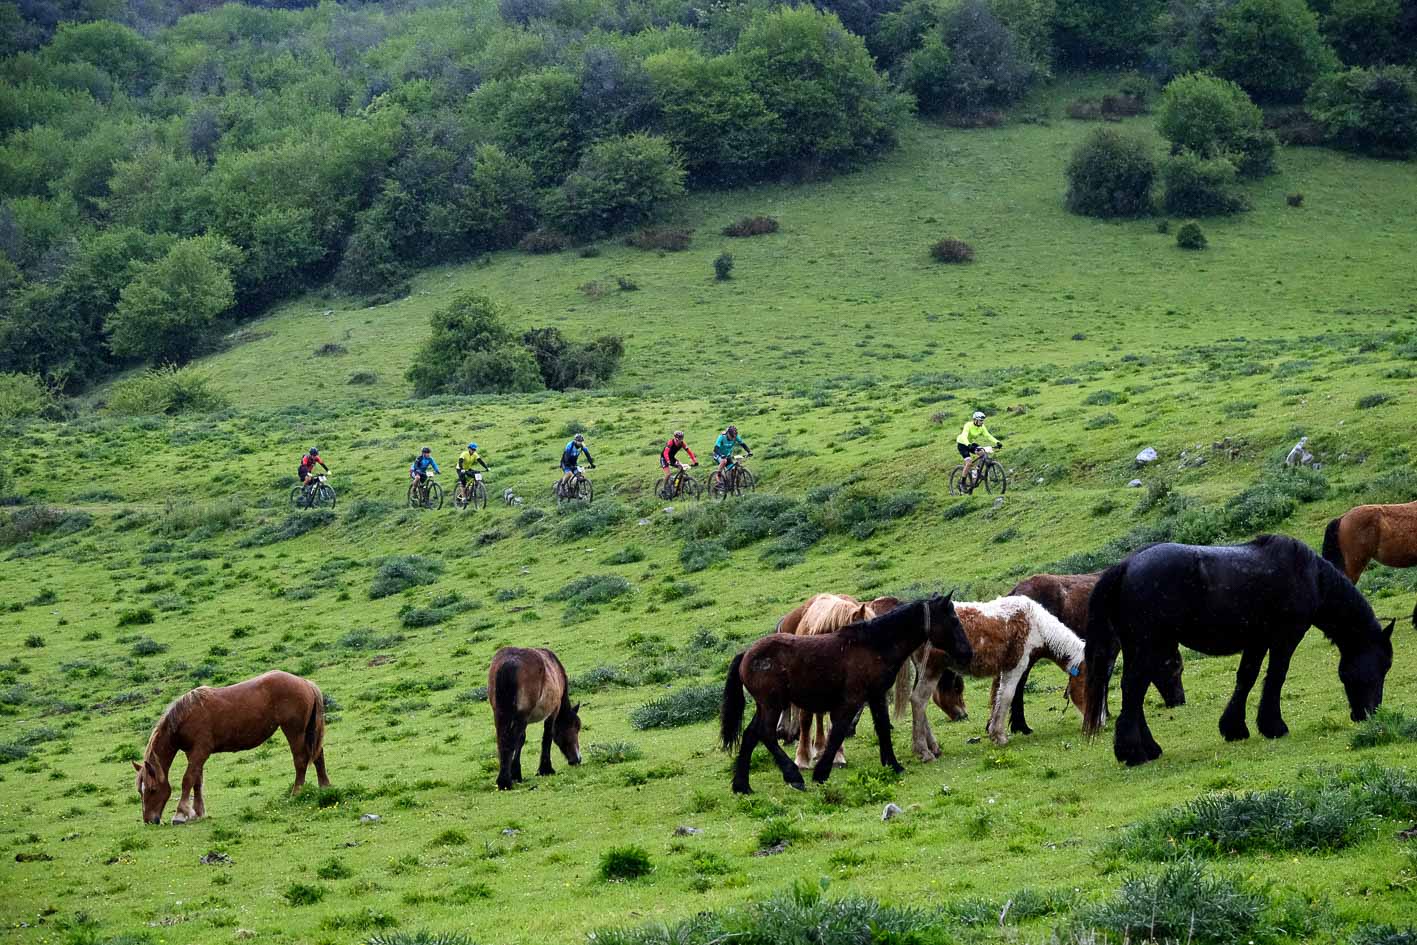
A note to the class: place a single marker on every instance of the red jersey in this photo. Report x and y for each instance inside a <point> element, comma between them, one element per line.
<point>672,448</point>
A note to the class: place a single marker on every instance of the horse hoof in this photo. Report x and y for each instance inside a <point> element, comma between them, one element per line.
<point>797,785</point>
<point>839,763</point>
<point>1022,730</point>
<point>1237,734</point>
<point>1274,731</point>
<point>742,789</point>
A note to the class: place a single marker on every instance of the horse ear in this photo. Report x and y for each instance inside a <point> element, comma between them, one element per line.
<point>1387,631</point>
<point>575,708</point>
<point>951,594</point>
<point>137,767</point>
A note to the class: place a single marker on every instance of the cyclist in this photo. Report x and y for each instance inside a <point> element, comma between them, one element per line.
<point>667,460</point>
<point>570,456</point>
<point>971,439</point>
<point>419,470</point>
<point>307,468</point>
<point>724,446</point>
<point>466,460</point>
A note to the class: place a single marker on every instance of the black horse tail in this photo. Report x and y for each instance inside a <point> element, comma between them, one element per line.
<point>1103,644</point>
<point>504,690</point>
<point>315,725</point>
<point>1333,552</point>
<point>731,713</point>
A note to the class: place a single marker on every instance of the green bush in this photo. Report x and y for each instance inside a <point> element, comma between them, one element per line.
<point>971,63</point>
<point>1272,48</point>
<point>591,520</point>
<point>1384,727</point>
<point>167,390</point>
<point>1111,175</point>
<point>422,937</point>
<point>302,894</point>
<point>1369,401</point>
<point>400,572</point>
<point>619,182</point>
<point>1189,235</point>
<point>723,267</point>
<point>951,250</point>
<point>751,226</point>
<point>1196,186</point>
<point>1369,110</point>
<point>630,554</point>
<point>1367,32</point>
<point>701,554</point>
<point>619,864</point>
<point>1184,902</point>
<point>565,365</point>
<point>681,707</point>
<point>614,753</point>
<point>1205,114</point>
<point>136,617</point>
<point>23,395</point>
<point>592,589</point>
<point>165,313</point>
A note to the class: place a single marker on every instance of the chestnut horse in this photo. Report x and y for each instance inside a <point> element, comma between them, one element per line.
<point>230,718</point>
<point>1385,533</point>
<point>526,687</point>
<point>1065,596</point>
<point>836,673</point>
<point>1007,636</point>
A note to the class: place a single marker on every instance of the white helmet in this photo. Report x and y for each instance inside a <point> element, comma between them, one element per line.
<point>978,415</point>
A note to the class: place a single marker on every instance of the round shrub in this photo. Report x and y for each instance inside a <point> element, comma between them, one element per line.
<point>1196,186</point>
<point>951,250</point>
<point>751,226</point>
<point>1205,114</point>
<point>1111,175</point>
<point>1190,236</point>
<point>1295,200</point>
<point>1273,48</point>
<point>542,241</point>
<point>1368,110</point>
<point>619,182</point>
<point>1365,32</point>
<point>624,863</point>
<point>723,267</point>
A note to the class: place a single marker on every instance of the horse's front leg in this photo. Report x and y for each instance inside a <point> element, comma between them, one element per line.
<point>1232,720</point>
<point>1131,741</point>
<point>1005,684</point>
<point>881,718</point>
<point>1270,721</point>
<point>547,736</point>
<point>922,740</point>
<point>190,779</point>
<point>841,718</point>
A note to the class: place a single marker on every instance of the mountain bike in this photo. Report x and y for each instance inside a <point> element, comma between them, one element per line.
<point>579,489</point>
<point>677,485</point>
<point>470,492</point>
<point>315,493</point>
<point>425,495</point>
<point>985,471</point>
<point>735,479</point>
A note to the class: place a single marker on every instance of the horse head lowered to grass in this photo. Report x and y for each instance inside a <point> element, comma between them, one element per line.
<point>1252,599</point>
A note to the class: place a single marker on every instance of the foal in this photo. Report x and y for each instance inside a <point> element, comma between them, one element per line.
<point>836,673</point>
<point>230,718</point>
<point>526,687</point>
<point>1006,636</point>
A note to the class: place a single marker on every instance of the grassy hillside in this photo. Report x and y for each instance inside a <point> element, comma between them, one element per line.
<point>848,360</point>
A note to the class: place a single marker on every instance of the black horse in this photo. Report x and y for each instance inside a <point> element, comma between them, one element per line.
<point>1249,599</point>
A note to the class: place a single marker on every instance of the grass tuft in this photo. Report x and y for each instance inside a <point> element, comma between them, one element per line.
<point>681,707</point>
<point>1384,727</point>
<point>619,864</point>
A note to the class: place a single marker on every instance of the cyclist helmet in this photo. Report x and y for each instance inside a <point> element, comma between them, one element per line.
<point>314,451</point>
<point>978,415</point>
<point>580,437</point>
<point>678,434</point>
<point>426,450</point>
<point>732,430</point>
<point>472,446</point>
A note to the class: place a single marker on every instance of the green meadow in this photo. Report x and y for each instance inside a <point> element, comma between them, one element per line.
<point>159,553</point>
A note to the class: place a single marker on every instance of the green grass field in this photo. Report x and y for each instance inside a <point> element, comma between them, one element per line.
<point>847,359</point>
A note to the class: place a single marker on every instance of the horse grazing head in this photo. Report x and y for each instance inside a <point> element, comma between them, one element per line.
<point>568,734</point>
<point>1362,670</point>
<point>944,631</point>
<point>153,790</point>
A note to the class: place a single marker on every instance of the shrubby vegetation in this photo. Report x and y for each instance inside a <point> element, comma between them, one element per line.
<point>166,390</point>
<point>1111,174</point>
<point>1370,110</point>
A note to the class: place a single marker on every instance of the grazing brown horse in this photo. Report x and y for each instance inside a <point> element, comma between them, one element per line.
<point>1385,533</point>
<point>822,613</point>
<point>836,673</point>
<point>230,718</point>
<point>1065,596</point>
<point>526,687</point>
<point>1006,636</point>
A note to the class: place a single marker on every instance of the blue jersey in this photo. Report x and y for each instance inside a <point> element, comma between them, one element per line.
<point>422,463</point>
<point>573,452</point>
<point>723,447</point>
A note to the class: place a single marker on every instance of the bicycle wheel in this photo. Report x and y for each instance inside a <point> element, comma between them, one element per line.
<point>661,489</point>
<point>745,483</point>
<point>479,496</point>
<point>994,479</point>
<point>414,500</point>
<point>691,489</point>
<point>435,496</point>
<point>296,497</point>
<point>585,490</point>
<point>325,497</point>
<point>459,497</point>
<point>957,486</point>
<point>718,486</point>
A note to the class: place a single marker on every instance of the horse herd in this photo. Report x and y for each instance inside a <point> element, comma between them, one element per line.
<point>834,657</point>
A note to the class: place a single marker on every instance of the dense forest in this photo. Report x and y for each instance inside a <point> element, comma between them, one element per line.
<point>170,167</point>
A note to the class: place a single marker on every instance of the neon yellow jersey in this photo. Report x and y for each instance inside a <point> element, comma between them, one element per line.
<point>971,435</point>
<point>468,459</point>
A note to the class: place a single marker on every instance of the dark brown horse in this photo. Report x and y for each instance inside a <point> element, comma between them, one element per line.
<point>230,718</point>
<point>526,687</point>
<point>1065,596</point>
<point>836,673</point>
<point>1385,533</point>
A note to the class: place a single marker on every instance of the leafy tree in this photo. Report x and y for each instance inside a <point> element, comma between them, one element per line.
<point>1205,114</point>
<point>156,191</point>
<point>565,365</point>
<point>1272,48</point>
<point>616,96</point>
<point>1364,32</point>
<point>618,183</point>
<point>165,312</point>
<point>1369,110</point>
<point>1094,32</point>
<point>972,64</point>
<point>470,323</point>
<point>1111,175</point>
<point>112,47</point>
<point>498,203</point>
<point>536,118</point>
<point>506,369</point>
<point>370,264</point>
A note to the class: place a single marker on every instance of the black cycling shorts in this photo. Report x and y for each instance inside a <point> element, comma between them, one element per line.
<point>966,450</point>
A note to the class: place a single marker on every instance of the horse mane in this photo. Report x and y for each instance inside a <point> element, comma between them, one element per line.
<point>174,715</point>
<point>1340,596</point>
<point>871,631</point>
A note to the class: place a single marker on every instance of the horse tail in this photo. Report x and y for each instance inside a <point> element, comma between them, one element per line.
<point>1103,643</point>
<point>731,712</point>
<point>1333,551</point>
<point>504,689</point>
<point>315,725</point>
<point>903,685</point>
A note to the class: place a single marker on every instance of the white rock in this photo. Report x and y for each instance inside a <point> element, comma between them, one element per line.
<point>999,502</point>
<point>370,819</point>
<point>891,810</point>
<point>1134,484</point>
<point>643,521</point>
<point>1147,455</point>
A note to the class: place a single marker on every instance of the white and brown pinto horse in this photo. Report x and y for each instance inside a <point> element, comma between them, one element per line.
<point>1008,635</point>
<point>230,718</point>
<point>525,687</point>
